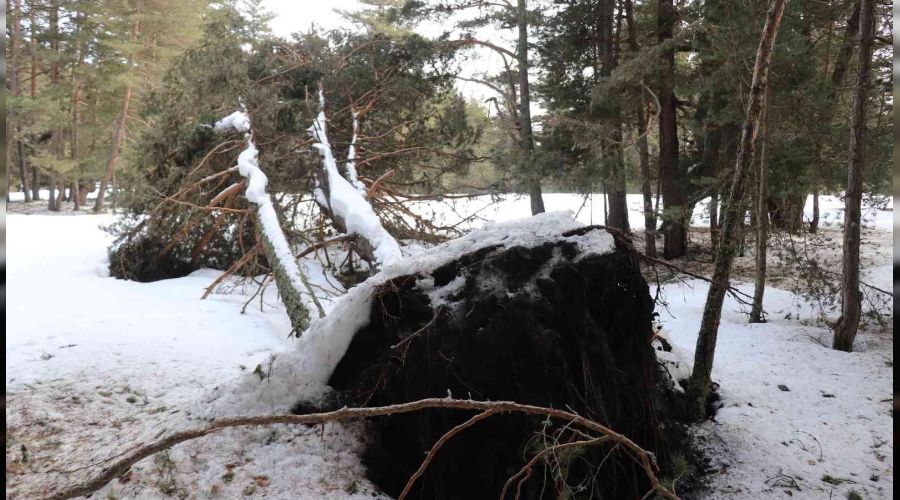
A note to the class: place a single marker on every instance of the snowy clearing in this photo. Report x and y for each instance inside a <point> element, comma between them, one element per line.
<point>96,365</point>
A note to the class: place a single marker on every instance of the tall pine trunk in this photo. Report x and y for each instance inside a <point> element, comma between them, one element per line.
<point>698,387</point>
<point>711,152</point>
<point>32,15</point>
<point>526,136</point>
<point>837,78</point>
<point>646,192</point>
<point>642,145</point>
<point>762,217</point>
<point>57,142</point>
<point>119,134</point>
<point>851,297</point>
<point>673,183</point>
<point>612,151</point>
<point>17,91</point>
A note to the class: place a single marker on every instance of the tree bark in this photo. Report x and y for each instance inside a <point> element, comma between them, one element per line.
<point>17,91</point>
<point>51,197</point>
<point>762,217</point>
<point>32,15</point>
<point>837,78</point>
<point>851,296</point>
<point>643,147</point>
<point>615,162</point>
<point>698,387</point>
<point>75,196</point>
<point>673,183</point>
<point>119,134</point>
<point>57,142</point>
<point>646,191</point>
<point>526,137</point>
<point>711,153</point>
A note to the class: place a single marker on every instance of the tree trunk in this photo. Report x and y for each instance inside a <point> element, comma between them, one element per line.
<point>837,78</point>
<point>814,221</point>
<point>673,183</point>
<point>76,121</point>
<point>75,195</point>
<point>51,197</point>
<point>762,217</point>
<point>17,91</point>
<point>711,152</point>
<point>643,148</point>
<point>526,137</point>
<point>615,162</point>
<point>118,138</point>
<point>698,387</point>
<point>119,134</point>
<point>851,297</point>
<point>649,213</point>
<point>8,180</point>
<point>35,184</point>
<point>32,15</point>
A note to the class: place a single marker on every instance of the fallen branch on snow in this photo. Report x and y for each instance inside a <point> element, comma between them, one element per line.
<point>488,408</point>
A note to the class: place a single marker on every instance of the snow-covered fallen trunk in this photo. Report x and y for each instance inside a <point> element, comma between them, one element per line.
<point>344,199</point>
<point>290,281</point>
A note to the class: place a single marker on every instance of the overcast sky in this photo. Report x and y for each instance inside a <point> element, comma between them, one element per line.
<point>299,15</point>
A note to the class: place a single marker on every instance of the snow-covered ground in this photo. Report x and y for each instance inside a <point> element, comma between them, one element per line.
<point>95,365</point>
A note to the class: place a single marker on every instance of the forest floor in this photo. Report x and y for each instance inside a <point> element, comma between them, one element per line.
<point>97,365</point>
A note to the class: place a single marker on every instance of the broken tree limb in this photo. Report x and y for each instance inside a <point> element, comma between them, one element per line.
<point>121,465</point>
<point>289,280</point>
<point>345,203</point>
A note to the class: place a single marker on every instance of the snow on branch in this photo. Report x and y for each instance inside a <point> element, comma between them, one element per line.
<point>352,175</point>
<point>291,282</point>
<point>344,199</point>
<point>237,120</point>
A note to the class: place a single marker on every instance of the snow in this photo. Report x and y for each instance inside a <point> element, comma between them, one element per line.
<point>589,210</point>
<point>237,120</point>
<point>835,418</point>
<point>96,364</point>
<point>352,175</point>
<point>348,202</point>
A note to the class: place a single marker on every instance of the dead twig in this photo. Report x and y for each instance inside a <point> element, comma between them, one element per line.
<point>437,445</point>
<point>121,466</point>
<point>231,270</point>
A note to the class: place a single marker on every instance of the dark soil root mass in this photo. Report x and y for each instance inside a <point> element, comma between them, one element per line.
<point>546,325</point>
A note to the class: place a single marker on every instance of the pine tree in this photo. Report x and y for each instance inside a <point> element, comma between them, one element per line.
<point>851,297</point>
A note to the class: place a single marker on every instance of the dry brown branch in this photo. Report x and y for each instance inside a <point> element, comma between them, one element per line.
<point>122,465</point>
<point>312,248</point>
<point>227,193</point>
<point>207,209</point>
<point>375,185</point>
<point>234,267</point>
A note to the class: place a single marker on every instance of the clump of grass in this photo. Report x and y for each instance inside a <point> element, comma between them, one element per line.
<point>836,481</point>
